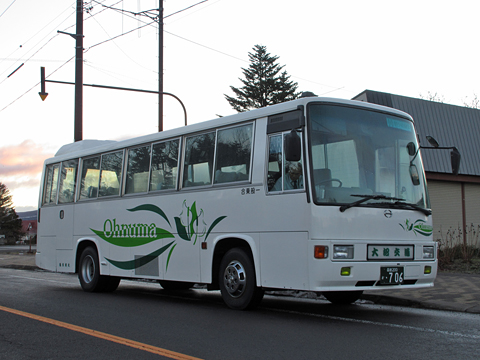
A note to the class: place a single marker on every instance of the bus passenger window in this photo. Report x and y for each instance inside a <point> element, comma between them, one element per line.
<point>111,174</point>
<point>68,178</point>
<point>164,165</point>
<point>198,163</point>
<point>90,177</point>
<point>51,180</point>
<point>137,170</point>
<point>234,147</point>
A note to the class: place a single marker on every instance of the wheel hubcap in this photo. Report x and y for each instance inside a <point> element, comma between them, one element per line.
<point>88,269</point>
<point>235,279</point>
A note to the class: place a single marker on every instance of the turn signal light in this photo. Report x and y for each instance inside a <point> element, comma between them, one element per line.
<point>320,252</point>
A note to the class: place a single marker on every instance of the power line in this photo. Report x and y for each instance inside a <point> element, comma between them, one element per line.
<point>124,53</point>
<point>115,37</point>
<point>207,47</point>
<point>4,11</point>
<point>37,32</point>
<point>177,12</point>
<point>34,60</point>
<point>1,82</point>
<point>33,87</point>
<point>147,11</point>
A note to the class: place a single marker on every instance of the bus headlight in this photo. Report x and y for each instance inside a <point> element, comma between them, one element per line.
<point>343,251</point>
<point>429,252</point>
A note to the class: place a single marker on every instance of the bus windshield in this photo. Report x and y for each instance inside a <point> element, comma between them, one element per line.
<point>360,156</point>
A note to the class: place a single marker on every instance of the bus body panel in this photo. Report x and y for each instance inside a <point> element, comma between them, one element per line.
<point>45,258</point>
<point>369,224</point>
<point>231,207</point>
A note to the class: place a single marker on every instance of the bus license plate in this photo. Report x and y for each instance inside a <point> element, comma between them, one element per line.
<point>391,275</point>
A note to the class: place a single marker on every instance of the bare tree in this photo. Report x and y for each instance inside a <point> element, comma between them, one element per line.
<point>433,97</point>
<point>474,103</point>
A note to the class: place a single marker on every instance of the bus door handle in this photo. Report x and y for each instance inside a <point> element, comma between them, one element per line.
<point>62,214</point>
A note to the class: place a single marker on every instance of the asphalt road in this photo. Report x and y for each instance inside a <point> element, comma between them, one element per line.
<point>47,316</point>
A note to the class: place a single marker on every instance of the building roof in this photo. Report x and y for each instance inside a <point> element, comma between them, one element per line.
<point>450,125</point>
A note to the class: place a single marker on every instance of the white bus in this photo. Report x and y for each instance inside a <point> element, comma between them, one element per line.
<point>315,194</point>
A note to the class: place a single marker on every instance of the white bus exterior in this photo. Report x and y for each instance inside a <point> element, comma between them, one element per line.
<point>213,203</point>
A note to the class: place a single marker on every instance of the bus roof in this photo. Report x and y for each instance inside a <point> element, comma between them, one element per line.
<point>85,147</point>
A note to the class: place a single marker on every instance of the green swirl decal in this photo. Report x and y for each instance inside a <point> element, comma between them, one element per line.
<point>418,227</point>
<point>152,208</point>
<point>136,263</point>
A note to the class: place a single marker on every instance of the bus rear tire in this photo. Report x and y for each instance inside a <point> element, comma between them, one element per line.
<point>342,297</point>
<point>89,273</point>
<point>237,281</point>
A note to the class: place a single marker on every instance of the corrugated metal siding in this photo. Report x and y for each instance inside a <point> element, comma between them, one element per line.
<point>472,204</point>
<point>450,125</point>
<point>446,200</point>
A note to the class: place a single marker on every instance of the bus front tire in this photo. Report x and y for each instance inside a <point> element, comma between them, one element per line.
<point>89,273</point>
<point>342,297</point>
<point>237,281</point>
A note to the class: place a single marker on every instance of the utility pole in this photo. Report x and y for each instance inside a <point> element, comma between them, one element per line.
<point>160,66</point>
<point>79,74</point>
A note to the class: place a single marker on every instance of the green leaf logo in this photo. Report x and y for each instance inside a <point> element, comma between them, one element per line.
<point>418,227</point>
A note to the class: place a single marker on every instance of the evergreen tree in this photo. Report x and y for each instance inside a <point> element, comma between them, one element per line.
<point>264,84</point>
<point>10,223</point>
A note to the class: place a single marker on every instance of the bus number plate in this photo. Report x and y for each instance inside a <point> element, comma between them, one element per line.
<point>391,275</point>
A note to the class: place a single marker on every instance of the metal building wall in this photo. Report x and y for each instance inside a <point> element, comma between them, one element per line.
<point>446,200</point>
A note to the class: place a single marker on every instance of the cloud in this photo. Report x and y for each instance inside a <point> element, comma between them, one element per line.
<point>23,160</point>
<point>20,170</point>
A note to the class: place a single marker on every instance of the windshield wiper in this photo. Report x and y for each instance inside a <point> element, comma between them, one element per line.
<point>404,204</point>
<point>366,198</point>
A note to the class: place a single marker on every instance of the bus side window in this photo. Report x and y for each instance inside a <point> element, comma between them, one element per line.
<point>51,180</point>
<point>68,177</point>
<point>282,175</point>
<point>137,170</point>
<point>198,162</point>
<point>234,147</point>
<point>164,165</point>
<point>274,161</point>
<point>111,174</point>
<point>90,177</point>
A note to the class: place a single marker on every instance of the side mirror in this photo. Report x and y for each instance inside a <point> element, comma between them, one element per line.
<point>455,158</point>
<point>414,175</point>
<point>293,146</point>
<point>432,141</point>
<point>411,149</point>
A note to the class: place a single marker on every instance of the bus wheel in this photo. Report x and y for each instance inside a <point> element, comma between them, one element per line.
<point>237,281</point>
<point>175,285</point>
<point>89,274</point>
<point>342,297</point>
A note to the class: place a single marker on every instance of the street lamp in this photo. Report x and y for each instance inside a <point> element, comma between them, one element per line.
<point>29,237</point>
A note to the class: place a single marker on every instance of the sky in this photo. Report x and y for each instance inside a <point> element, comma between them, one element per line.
<point>333,48</point>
